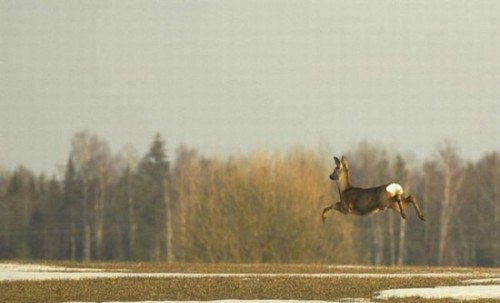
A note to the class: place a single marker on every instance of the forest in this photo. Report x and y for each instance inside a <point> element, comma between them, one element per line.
<point>258,207</point>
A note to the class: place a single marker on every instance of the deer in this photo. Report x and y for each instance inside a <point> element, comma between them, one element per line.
<point>364,201</point>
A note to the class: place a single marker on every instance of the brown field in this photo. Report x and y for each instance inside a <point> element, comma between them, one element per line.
<point>213,288</point>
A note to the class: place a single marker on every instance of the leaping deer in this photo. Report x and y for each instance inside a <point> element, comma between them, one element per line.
<point>364,201</point>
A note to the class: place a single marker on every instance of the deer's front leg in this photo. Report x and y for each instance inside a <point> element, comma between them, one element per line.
<point>323,215</point>
<point>342,206</point>
<point>413,201</point>
<point>339,206</point>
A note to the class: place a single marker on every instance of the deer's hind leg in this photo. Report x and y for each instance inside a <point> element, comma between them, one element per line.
<point>395,207</point>
<point>410,199</point>
<point>396,204</point>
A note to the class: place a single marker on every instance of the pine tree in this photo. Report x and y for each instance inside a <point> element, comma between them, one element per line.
<point>153,171</point>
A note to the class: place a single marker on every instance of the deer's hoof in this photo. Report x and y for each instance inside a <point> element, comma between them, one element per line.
<point>421,217</point>
<point>403,216</point>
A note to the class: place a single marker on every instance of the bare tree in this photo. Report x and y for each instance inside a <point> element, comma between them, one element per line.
<point>91,157</point>
<point>185,190</point>
<point>401,173</point>
<point>487,196</point>
<point>169,232</point>
<point>451,168</point>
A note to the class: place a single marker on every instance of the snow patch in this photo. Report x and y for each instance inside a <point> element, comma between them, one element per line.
<point>348,300</point>
<point>17,272</point>
<point>470,292</point>
<point>349,266</point>
<point>10,267</point>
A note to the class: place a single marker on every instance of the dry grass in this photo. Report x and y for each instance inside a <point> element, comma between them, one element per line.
<point>127,289</point>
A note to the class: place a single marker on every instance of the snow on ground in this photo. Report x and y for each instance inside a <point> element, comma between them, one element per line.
<point>16,272</point>
<point>39,267</point>
<point>469,292</point>
<point>483,281</point>
<point>348,300</point>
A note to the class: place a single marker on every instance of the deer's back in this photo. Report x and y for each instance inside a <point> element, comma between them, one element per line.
<point>363,201</point>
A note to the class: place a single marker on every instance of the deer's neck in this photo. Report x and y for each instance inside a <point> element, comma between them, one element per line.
<point>344,182</point>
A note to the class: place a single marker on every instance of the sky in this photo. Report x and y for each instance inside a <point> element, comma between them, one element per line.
<point>228,77</point>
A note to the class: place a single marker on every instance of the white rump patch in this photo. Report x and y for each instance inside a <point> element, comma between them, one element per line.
<point>394,189</point>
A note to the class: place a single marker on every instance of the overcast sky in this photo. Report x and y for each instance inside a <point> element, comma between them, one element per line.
<point>230,76</point>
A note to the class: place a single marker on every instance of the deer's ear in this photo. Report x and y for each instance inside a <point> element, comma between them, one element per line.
<point>337,161</point>
<point>344,162</point>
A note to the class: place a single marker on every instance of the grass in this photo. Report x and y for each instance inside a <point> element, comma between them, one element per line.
<point>310,288</point>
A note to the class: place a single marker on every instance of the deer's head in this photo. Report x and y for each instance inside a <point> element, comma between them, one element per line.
<point>341,169</point>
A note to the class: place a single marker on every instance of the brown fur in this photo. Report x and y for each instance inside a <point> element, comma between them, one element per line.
<point>364,201</point>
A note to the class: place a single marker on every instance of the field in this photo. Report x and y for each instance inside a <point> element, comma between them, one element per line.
<point>98,282</point>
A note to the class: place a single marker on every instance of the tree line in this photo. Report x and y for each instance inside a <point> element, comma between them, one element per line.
<point>259,207</point>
